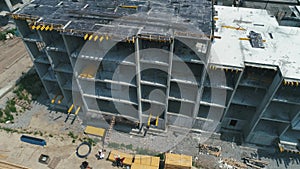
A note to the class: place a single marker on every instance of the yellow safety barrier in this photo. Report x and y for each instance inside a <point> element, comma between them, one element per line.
<point>232,27</point>
<point>43,27</point>
<point>106,37</point>
<point>51,28</point>
<point>149,119</point>
<point>33,27</point>
<point>91,36</point>
<point>47,28</point>
<point>38,27</point>
<point>292,83</point>
<point>96,37</point>
<point>53,100</point>
<point>249,39</point>
<point>129,6</point>
<point>86,36</point>
<point>156,122</point>
<point>101,38</point>
<point>85,75</point>
<point>133,40</point>
<point>60,99</point>
<point>244,38</point>
<point>77,111</point>
<point>71,108</point>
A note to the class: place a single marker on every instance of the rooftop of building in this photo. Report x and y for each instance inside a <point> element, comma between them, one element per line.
<point>280,43</point>
<point>132,16</point>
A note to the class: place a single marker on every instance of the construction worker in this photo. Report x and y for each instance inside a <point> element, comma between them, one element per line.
<point>119,161</point>
<point>101,155</point>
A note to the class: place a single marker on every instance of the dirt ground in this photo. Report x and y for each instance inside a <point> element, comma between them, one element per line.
<point>14,59</point>
<point>59,144</point>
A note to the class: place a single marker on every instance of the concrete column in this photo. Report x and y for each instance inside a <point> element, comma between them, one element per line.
<point>9,5</point>
<point>138,80</point>
<point>169,79</point>
<point>263,106</point>
<point>232,95</point>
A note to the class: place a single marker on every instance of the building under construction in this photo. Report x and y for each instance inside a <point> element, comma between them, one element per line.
<point>240,78</point>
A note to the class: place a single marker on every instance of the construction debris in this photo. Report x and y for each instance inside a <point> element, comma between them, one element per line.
<point>209,149</point>
<point>233,163</point>
<point>23,103</point>
<point>285,146</point>
<point>255,163</point>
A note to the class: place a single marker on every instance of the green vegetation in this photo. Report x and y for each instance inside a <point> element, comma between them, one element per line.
<point>143,151</point>
<point>91,141</point>
<point>114,145</point>
<point>138,150</point>
<point>32,84</point>
<point>22,94</point>
<point>72,135</point>
<point>129,147</point>
<point>28,88</point>
<point>9,130</point>
<point>3,34</point>
<point>9,108</point>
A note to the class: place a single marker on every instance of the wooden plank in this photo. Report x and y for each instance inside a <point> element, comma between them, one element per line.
<point>140,166</point>
<point>7,165</point>
<point>147,160</point>
<point>128,157</point>
<point>94,131</point>
<point>178,160</point>
<point>53,164</point>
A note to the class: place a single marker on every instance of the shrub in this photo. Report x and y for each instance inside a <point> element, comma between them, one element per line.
<point>114,145</point>
<point>129,147</point>
<point>72,135</point>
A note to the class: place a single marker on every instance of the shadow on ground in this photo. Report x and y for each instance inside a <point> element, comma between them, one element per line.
<point>286,159</point>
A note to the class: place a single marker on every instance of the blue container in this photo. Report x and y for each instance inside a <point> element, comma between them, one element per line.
<point>33,140</point>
